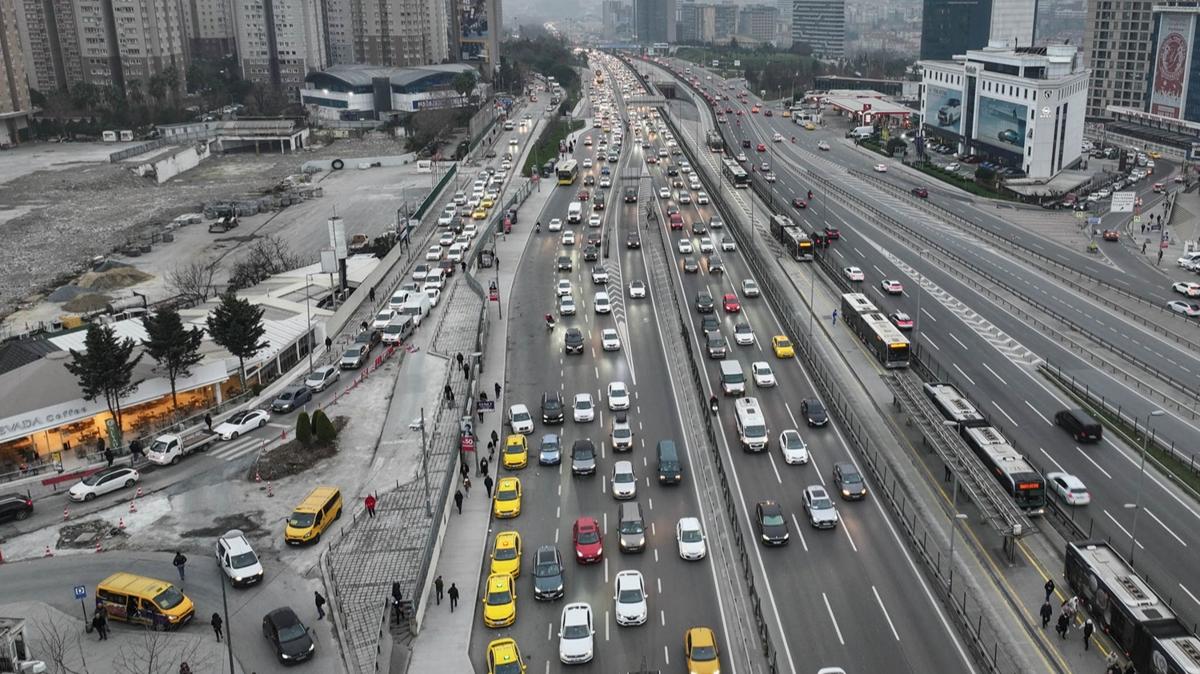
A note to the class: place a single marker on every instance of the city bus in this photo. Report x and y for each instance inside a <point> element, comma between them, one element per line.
<point>1010,468</point>
<point>568,171</point>
<point>794,239</point>
<point>734,172</point>
<point>882,339</point>
<point>1140,623</point>
<point>954,405</point>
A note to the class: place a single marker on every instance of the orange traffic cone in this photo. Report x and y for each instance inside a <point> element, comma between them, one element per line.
<point>257,476</point>
<point>66,514</point>
<point>98,547</point>
<point>48,553</point>
<point>133,506</point>
<point>121,524</point>
<point>139,493</point>
<point>270,492</point>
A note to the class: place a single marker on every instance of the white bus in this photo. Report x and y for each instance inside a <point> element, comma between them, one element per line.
<point>751,425</point>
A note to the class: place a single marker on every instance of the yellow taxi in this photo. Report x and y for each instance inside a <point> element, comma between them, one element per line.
<point>1154,154</point>
<point>809,126</point>
<point>506,554</point>
<point>782,346</point>
<point>786,113</point>
<point>479,213</point>
<point>516,452</point>
<point>487,202</point>
<point>499,601</point>
<point>507,503</point>
<point>700,651</point>
<point>503,657</point>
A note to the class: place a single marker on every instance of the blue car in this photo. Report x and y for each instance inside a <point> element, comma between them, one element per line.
<point>550,453</point>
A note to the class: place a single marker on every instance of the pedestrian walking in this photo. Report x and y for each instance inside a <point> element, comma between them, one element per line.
<point>208,421</point>
<point>1070,606</point>
<point>448,394</point>
<point>180,562</point>
<point>487,484</point>
<point>495,437</point>
<point>491,448</point>
<point>483,466</point>
<point>1047,613</point>
<point>1143,228</point>
<point>464,264</point>
<point>835,316</point>
<point>371,295</point>
<point>109,456</point>
<point>100,624</point>
<point>459,357</point>
<point>1063,624</point>
<point>328,343</point>
<point>184,668</point>
<point>437,588</point>
<point>1144,244</point>
<point>453,592</point>
<point>369,502</point>
<point>216,624</point>
<point>464,469</point>
<point>458,497</point>
<point>466,370</point>
<point>497,389</point>
<point>467,485</point>
<point>136,453</point>
<point>1088,628</point>
<point>1159,260</point>
<point>1049,587</point>
<point>320,602</point>
<point>397,597</point>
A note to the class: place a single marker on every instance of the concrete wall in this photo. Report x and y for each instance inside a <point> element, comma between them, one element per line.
<point>184,159</point>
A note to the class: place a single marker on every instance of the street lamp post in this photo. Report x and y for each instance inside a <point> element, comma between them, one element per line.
<point>1137,504</point>
<point>308,320</point>
<point>920,288</point>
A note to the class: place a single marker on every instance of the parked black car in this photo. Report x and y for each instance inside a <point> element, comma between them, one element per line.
<point>15,507</point>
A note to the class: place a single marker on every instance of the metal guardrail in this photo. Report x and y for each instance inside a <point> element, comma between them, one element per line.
<point>967,614</point>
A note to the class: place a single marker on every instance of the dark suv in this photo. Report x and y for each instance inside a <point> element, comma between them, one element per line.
<point>630,195</point>
<point>814,412</point>
<point>704,302</point>
<point>547,574</point>
<point>633,240</point>
<point>574,340</point>
<point>552,408</point>
<point>15,507</point>
<point>849,481</point>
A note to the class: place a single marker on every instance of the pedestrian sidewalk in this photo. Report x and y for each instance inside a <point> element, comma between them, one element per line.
<point>1180,213</point>
<point>445,639</point>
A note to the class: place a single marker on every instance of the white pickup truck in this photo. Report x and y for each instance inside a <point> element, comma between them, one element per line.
<point>168,449</point>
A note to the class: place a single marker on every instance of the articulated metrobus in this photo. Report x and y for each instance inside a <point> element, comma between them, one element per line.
<point>734,172</point>
<point>1022,481</point>
<point>567,172</point>
<point>882,338</point>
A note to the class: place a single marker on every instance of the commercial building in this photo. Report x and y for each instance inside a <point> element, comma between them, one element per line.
<point>1021,108</point>
<point>369,92</point>
<point>477,28</point>
<point>109,44</point>
<point>390,33</point>
<point>725,21</point>
<point>821,25</point>
<point>697,23</point>
<point>1117,46</point>
<point>758,23</point>
<point>949,29</point>
<point>279,41</point>
<point>14,91</point>
<point>654,21</point>
<point>784,29</point>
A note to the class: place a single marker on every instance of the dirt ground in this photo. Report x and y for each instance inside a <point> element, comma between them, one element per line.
<point>67,216</point>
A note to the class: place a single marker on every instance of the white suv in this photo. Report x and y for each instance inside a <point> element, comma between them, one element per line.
<point>237,559</point>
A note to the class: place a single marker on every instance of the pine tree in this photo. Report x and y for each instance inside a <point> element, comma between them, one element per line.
<point>237,326</point>
<point>303,429</point>
<point>105,367</point>
<point>323,428</point>
<point>175,348</point>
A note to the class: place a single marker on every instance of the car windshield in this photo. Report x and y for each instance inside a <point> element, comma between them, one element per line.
<point>690,536</point>
<point>350,353</point>
<point>630,596</point>
<point>772,520</point>
<point>704,653</point>
<point>623,477</point>
<point>301,520</point>
<point>243,560</point>
<point>588,536</point>
<point>821,503</point>
<point>583,452</point>
<point>506,553</point>
<point>499,598</point>
<point>792,440</point>
<point>513,449</point>
<point>168,598</point>
<point>583,404</point>
<point>851,477</point>
<point>546,569</point>
<point>506,495</point>
<point>579,631</point>
<point>521,415</point>
<point>94,479</point>
<point>755,430</point>
<point>632,527</point>
<point>291,632</point>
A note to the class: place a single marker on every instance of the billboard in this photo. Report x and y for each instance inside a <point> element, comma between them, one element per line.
<point>1172,56</point>
<point>943,108</point>
<point>1002,124</point>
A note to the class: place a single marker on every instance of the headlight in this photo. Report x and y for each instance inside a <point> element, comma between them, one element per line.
<point>845,492</point>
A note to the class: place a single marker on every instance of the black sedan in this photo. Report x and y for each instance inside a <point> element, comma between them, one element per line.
<point>814,412</point>
<point>704,302</point>
<point>574,340</point>
<point>547,574</point>
<point>849,481</point>
<point>289,636</point>
<point>772,525</point>
<point>552,408</point>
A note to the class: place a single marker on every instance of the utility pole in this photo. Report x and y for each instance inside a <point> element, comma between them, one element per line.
<point>424,468</point>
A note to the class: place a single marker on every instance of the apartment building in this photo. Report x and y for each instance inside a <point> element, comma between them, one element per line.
<point>14,92</point>
<point>1117,45</point>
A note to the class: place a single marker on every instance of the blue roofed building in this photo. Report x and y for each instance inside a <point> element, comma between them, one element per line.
<point>362,92</point>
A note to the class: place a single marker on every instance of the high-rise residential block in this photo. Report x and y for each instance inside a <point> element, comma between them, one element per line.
<point>820,24</point>
<point>14,90</point>
<point>396,33</point>
<point>209,28</point>
<point>280,41</point>
<point>1117,45</point>
<point>477,30</point>
<point>949,29</point>
<point>654,21</point>
<point>757,22</point>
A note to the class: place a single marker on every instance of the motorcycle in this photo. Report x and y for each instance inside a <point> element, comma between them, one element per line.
<point>712,403</point>
<point>549,322</point>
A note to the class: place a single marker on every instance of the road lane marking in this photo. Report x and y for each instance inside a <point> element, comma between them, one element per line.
<point>964,346</point>
<point>1189,593</point>
<point>1035,411</point>
<point>1013,421</point>
<point>1092,461</point>
<point>1051,459</point>
<point>800,532</point>
<point>931,342</point>
<point>1123,529</point>
<point>833,619</point>
<point>1164,526</point>
<point>985,365</point>
<point>964,374</point>
<point>885,613</point>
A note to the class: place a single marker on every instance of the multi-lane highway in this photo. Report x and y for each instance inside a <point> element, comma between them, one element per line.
<point>991,352</point>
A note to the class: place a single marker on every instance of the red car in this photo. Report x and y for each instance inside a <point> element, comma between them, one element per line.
<point>651,159</point>
<point>676,221</point>
<point>728,110</point>
<point>762,148</point>
<point>584,196</point>
<point>832,232</point>
<point>920,192</point>
<point>731,303</point>
<point>589,542</point>
<point>799,203</point>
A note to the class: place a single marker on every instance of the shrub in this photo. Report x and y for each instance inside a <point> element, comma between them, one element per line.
<point>303,429</point>
<point>323,428</point>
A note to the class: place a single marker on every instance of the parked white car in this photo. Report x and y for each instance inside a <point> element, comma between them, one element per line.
<point>103,482</point>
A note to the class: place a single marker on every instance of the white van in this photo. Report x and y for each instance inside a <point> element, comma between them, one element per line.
<point>575,212</point>
<point>1189,258</point>
<point>417,308</point>
<point>733,380</point>
<point>399,329</point>
<point>751,424</point>
<point>861,132</point>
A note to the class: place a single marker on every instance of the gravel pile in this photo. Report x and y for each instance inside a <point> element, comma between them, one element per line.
<point>94,210</point>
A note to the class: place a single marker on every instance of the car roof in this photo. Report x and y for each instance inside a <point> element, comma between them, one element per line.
<point>283,615</point>
<point>235,541</point>
<point>816,490</point>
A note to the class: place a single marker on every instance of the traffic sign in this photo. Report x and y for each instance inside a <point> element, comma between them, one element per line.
<point>1122,202</point>
<point>468,443</point>
<point>494,294</point>
<point>486,405</point>
<point>80,591</point>
<point>1094,220</point>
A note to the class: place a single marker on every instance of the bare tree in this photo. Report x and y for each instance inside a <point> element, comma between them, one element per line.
<point>60,643</point>
<point>153,652</point>
<point>193,281</point>
<point>268,256</point>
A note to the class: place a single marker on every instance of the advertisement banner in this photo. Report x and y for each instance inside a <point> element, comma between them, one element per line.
<point>1002,123</point>
<point>943,108</point>
<point>1171,61</point>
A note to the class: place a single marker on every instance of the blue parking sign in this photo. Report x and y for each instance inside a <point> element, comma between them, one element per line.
<point>80,591</point>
